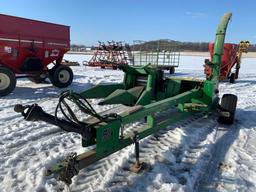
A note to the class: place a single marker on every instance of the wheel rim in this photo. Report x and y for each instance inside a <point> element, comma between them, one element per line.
<point>64,76</point>
<point>4,81</point>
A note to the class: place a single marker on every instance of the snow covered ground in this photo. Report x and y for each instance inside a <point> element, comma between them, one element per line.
<point>197,154</point>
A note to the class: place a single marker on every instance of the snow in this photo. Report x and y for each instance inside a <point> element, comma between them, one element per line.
<point>197,154</point>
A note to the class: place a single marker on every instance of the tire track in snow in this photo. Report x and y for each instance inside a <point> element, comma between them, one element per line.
<point>224,138</point>
<point>12,122</point>
<point>34,165</point>
<point>37,149</point>
<point>98,175</point>
<point>26,102</point>
<point>27,142</point>
<point>166,151</point>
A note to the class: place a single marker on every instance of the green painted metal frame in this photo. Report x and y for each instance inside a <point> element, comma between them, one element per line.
<point>128,92</point>
<point>109,136</point>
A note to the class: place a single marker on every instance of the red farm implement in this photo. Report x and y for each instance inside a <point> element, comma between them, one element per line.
<point>109,55</point>
<point>161,54</point>
<point>231,59</point>
<point>27,47</point>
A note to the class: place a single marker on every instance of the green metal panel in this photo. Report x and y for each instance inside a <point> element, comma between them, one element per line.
<point>129,80</point>
<point>107,137</point>
<point>136,91</point>
<point>145,97</point>
<point>173,87</point>
<point>161,105</point>
<point>150,83</point>
<point>119,96</point>
<point>100,91</point>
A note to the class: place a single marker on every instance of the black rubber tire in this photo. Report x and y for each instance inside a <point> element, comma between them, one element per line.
<point>228,104</point>
<point>37,79</point>
<point>232,78</point>
<point>7,81</point>
<point>172,70</point>
<point>57,76</point>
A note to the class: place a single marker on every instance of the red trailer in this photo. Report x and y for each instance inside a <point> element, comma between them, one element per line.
<point>27,47</point>
<point>231,59</point>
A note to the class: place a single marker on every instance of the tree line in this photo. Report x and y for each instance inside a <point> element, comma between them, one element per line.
<point>171,45</point>
<point>162,45</point>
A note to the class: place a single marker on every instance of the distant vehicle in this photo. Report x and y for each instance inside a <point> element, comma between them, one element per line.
<point>27,47</point>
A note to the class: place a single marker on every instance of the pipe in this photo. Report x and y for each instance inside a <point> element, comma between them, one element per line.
<point>219,46</point>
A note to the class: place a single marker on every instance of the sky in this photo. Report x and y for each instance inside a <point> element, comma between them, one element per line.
<point>128,20</point>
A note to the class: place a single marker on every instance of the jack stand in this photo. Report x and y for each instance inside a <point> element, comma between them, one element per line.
<point>139,165</point>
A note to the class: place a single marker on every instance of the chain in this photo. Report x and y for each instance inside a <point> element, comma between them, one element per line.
<point>71,168</point>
